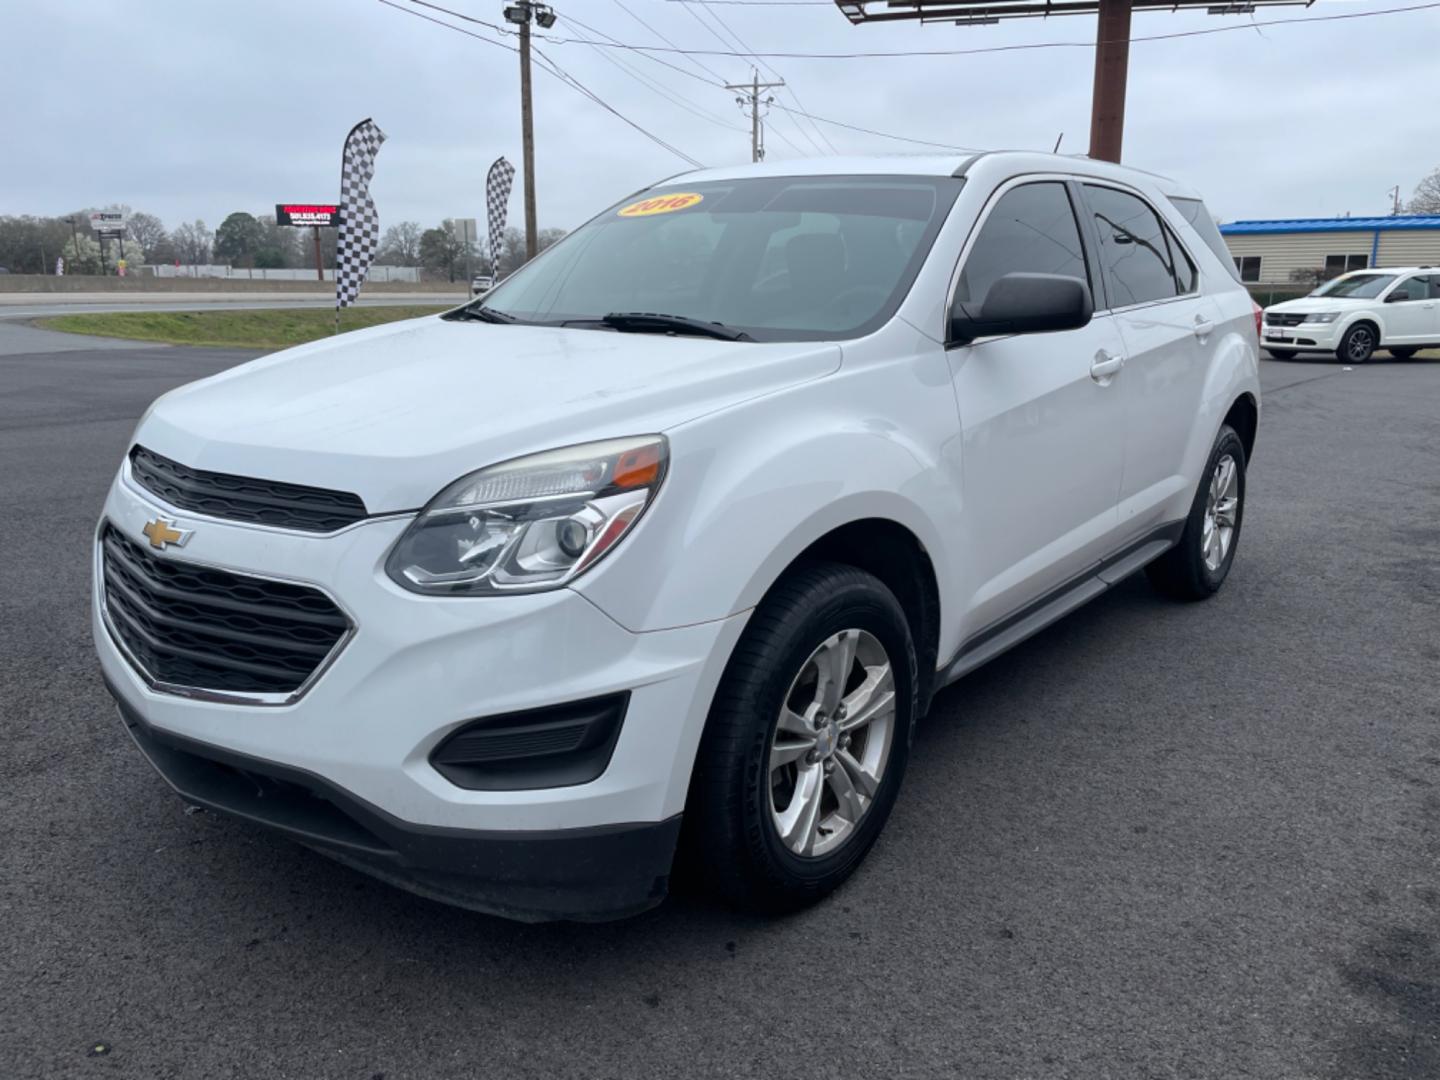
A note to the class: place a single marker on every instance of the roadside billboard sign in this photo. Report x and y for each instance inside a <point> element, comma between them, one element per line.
<point>319,215</point>
<point>108,223</point>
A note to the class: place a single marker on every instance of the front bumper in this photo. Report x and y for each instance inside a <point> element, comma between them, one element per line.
<point>1320,337</point>
<point>415,669</point>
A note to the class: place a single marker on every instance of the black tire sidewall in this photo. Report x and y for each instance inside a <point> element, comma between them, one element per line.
<point>1344,350</point>
<point>1281,354</point>
<point>823,600</point>
<point>1227,442</point>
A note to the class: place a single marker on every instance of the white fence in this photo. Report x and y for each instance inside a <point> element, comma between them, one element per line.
<point>377,273</point>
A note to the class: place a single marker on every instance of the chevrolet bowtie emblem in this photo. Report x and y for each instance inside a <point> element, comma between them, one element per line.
<point>162,533</point>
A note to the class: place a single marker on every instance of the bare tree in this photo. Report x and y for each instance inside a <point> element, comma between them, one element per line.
<point>400,245</point>
<point>192,243</point>
<point>1426,199</point>
<point>148,232</point>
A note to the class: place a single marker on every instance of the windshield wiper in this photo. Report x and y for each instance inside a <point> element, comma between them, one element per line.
<point>481,313</point>
<point>649,322</point>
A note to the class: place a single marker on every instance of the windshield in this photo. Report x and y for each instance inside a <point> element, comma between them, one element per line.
<point>1357,286</point>
<point>778,258</point>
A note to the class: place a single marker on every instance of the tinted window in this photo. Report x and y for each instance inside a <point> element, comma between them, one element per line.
<point>1415,288</point>
<point>1031,230</point>
<point>1185,273</point>
<point>1134,255</point>
<point>1195,212</point>
<point>781,258</point>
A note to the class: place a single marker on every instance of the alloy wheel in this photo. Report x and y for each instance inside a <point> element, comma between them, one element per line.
<point>1222,507</point>
<point>831,744</point>
<point>1360,344</point>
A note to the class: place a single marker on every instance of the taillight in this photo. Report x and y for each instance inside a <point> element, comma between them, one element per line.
<point>1259,316</point>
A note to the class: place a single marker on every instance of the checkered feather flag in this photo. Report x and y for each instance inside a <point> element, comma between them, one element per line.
<point>497,199</point>
<point>359,237</point>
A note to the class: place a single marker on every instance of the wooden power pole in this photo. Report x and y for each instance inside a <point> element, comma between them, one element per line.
<point>1112,62</point>
<point>750,97</point>
<point>523,13</point>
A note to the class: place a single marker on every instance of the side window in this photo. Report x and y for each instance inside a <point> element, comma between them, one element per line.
<point>1134,255</point>
<point>1032,230</point>
<point>1415,288</point>
<point>1435,287</point>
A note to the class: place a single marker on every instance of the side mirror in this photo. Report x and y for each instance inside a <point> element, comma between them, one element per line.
<point>1397,296</point>
<point>1025,304</point>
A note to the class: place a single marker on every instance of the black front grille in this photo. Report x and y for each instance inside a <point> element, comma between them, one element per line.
<point>1284,318</point>
<point>244,498</point>
<point>198,627</point>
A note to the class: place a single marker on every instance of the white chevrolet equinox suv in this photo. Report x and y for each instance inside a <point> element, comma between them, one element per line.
<point>666,543</point>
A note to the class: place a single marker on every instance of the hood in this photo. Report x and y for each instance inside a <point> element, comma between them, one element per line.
<point>1305,305</point>
<point>396,412</point>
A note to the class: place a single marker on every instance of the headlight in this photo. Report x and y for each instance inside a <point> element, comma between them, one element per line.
<point>534,523</point>
<point>1323,317</point>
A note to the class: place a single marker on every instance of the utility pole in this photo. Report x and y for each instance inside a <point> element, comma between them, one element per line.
<point>1112,63</point>
<point>1395,200</point>
<point>522,13</point>
<point>750,96</point>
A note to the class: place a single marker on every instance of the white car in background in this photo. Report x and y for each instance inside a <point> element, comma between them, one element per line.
<point>689,518</point>
<point>1396,309</point>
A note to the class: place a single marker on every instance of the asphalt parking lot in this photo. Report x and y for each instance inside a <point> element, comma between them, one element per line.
<point>1155,841</point>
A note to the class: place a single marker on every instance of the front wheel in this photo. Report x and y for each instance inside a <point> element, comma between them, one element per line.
<point>807,740</point>
<point>1281,354</point>
<point>1197,566</point>
<point>1358,344</point>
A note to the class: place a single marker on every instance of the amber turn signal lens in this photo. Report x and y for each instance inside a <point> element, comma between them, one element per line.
<point>638,468</point>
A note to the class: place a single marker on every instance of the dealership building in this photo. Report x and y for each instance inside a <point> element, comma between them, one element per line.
<point>1272,251</point>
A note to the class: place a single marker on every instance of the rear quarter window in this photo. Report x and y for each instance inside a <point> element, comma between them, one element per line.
<point>1195,212</point>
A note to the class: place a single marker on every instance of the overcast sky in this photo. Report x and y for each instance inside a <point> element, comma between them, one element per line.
<point>194,108</point>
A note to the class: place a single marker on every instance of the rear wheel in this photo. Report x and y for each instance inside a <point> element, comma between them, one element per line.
<point>1401,353</point>
<point>807,741</point>
<point>1358,344</point>
<point>1282,354</point>
<point>1197,566</point>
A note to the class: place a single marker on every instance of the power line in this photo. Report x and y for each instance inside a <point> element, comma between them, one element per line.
<point>872,131</point>
<point>912,53</point>
<point>548,66</point>
<point>783,85</point>
<point>719,79</point>
<point>653,85</point>
<point>712,32</point>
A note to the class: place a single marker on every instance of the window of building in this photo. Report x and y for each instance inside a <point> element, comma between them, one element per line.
<point>1249,267</point>
<point>1335,265</point>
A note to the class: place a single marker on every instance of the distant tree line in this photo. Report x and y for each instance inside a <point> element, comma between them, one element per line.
<point>30,245</point>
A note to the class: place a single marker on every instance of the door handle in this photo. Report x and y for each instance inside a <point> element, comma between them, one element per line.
<point>1203,327</point>
<point>1104,366</point>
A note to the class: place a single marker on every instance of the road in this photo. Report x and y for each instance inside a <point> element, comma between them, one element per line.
<point>1154,841</point>
<point>38,305</point>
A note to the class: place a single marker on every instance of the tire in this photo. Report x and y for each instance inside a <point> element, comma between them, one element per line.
<point>1281,354</point>
<point>1401,353</point>
<point>740,798</point>
<point>1358,345</point>
<point>1197,566</point>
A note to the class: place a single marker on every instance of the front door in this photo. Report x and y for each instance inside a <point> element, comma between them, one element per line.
<point>1412,311</point>
<point>1042,420</point>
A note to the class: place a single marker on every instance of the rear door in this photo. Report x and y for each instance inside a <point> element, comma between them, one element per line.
<point>1168,329</point>
<point>1042,419</point>
<point>1412,312</point>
